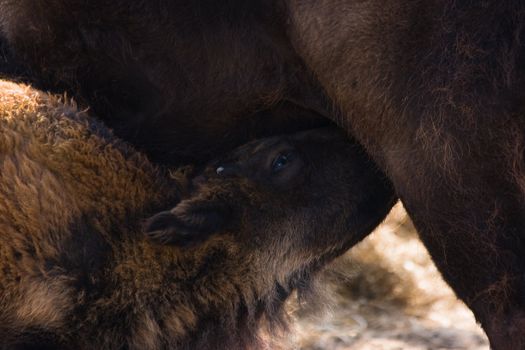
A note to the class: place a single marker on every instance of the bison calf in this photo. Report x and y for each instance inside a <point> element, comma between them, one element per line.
<point>77,273</point>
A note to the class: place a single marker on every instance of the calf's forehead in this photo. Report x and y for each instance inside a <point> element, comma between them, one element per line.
<point>254,152</point>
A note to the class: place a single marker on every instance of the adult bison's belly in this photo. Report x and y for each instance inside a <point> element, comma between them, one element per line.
<point>178,138</point>
<point>182,81</point>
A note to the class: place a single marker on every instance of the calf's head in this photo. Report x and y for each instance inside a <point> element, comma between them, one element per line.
<point>294,201</point>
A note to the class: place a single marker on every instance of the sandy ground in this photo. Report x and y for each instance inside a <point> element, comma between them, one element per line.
<point>385,294</point>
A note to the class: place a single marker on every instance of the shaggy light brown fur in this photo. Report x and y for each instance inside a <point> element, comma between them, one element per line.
<point>60,171</point>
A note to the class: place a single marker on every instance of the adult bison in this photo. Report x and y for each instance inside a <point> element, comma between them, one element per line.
<point>432,89</point>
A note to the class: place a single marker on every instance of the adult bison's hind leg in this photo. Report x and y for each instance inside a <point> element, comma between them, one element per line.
<point>465,193</point>
<point>434,91</point>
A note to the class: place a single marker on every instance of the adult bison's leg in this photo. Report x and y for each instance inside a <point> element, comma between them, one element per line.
<point>433,89</point>
<point>467,204</point>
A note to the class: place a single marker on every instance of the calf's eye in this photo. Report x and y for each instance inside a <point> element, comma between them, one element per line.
<point>281,162</point>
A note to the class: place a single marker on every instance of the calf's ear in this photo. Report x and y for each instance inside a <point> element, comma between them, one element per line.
<point>190,222</point>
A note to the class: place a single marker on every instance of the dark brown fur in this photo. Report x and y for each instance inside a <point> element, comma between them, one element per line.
<point>124,71</point>
<point>435,92</point>
<point>433,89</point>
<point>76,272</point>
